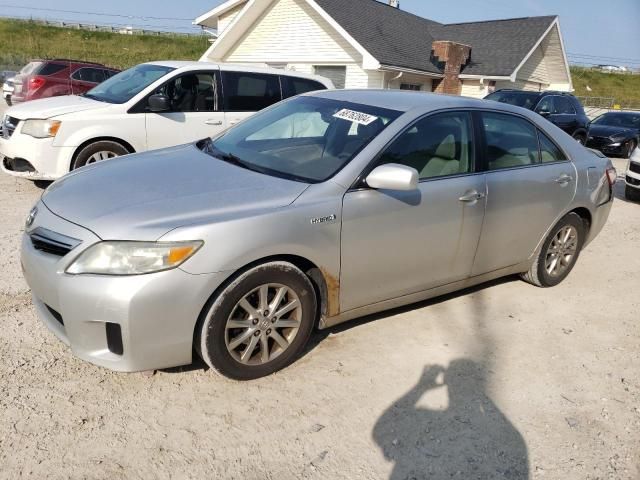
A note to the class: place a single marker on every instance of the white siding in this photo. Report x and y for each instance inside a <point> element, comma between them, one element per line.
<point>226,18</point>
<point>521,85</point>
<point>474,89</point>
<point>554,59</point>
<point>535,68</point>
<point>359,78</point>
<point>290,31</point>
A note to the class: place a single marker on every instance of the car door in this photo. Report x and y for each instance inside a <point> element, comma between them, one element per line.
<point>530,183</point>
<point>85,78</point>
<point>245,93</point>
<point>195,111</point>
<point>396,243</point>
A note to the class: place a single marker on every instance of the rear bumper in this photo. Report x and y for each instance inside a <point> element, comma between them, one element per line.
<point>126,324</point>
<point>46,161</point>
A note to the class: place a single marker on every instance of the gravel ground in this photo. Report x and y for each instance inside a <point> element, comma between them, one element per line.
<point>501,381</point>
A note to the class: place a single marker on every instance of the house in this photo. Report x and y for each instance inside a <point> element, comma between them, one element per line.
<point>370,44</point>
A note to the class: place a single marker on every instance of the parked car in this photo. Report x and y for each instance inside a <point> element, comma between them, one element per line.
<point>7,89</point>
<point>53,78</point>
<point>632,178</point>
<point>238,246</point>
<point>615,133</point>
<point>150,106</point>
<point>560,108</point>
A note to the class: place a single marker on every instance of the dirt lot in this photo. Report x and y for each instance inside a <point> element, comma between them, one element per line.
<point>503,381</point>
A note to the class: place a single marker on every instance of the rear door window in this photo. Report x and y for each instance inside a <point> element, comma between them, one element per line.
<point>549,152</point>
<point>249,92</point>
<point>88,74</point>
<point>292,86</point>
<point>510,141</point>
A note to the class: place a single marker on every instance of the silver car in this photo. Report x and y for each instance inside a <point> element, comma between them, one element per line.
<point>323,208</point>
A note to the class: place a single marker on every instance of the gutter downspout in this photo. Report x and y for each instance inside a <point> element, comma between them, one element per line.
<point>398,77</point>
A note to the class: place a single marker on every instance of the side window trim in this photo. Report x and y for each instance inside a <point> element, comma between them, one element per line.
<point>359,184</point>
<point>540,132</point>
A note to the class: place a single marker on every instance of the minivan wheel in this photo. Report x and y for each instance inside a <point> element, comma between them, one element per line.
<point>97,152</point>
<point>259,323</point>
<point>558,254</point>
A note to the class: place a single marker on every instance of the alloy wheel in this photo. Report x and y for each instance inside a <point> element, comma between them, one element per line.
<point>263,324</point>
<point>562,251</point>
<point>100,156</point>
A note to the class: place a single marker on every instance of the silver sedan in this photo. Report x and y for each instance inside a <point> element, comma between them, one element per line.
<point>318,210</point>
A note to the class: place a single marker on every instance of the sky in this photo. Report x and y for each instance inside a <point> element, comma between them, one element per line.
<point>595,32</point>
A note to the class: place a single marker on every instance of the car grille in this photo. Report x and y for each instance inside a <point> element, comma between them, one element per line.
<point>8,126</point>
<point>599,141</point>
<point>53,243</point>
<point>634,167</point>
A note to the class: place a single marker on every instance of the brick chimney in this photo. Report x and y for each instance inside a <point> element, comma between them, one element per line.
<point>454,56</point>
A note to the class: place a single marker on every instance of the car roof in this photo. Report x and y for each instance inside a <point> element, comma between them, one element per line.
<point>196,65</point>
<point>404,101</point>
<point>544,92</point>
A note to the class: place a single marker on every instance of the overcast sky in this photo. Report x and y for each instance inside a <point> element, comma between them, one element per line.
<point>594,31</point>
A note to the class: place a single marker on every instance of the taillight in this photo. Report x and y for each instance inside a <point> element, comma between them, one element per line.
<point>35,83</point>
<point>612,176</point>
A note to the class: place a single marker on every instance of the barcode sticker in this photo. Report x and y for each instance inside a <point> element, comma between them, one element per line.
<point>357,117</point>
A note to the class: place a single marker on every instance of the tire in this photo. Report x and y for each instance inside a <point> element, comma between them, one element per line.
<point>631,146</point>
<point>538,274</point>
<point>217,335</point>
<point>632,194</point>
<point>8,100</point>
<point>90,154</point>
<point>580,138</point>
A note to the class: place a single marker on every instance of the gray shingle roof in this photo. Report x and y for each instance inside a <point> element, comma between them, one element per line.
<point>398,38</point>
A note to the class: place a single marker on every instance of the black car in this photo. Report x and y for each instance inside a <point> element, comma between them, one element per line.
<point>560,108</point>
<point>615,133</point>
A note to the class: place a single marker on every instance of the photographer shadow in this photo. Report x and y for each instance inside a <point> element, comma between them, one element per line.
<point>448,427</point>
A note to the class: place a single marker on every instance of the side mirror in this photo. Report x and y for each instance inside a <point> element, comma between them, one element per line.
<point>159,103</point>
<point>393,177</point>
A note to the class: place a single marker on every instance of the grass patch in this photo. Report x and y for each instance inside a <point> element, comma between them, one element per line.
<point>21,41</point>
<point>625,89</point>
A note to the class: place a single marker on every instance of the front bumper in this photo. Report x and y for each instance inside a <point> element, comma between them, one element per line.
<point>48,161</point>
<point>607,149</point>
<point>632,178</point>
<point>153,315</point>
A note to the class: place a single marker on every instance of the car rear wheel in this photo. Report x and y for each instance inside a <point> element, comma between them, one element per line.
<point>558,254</point>
<point>97,152</point>
<point>630,147</point>
<point>631,193</point>
<point>259,323</point>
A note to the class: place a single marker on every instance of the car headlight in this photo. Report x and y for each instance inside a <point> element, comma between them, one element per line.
<point>41,128</point>
<point>132,258</point>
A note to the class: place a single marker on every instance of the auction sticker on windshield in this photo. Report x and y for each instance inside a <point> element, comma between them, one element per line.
<point>357,117</point>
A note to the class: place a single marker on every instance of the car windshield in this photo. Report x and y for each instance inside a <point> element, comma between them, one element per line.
<point>307,139</point>
<point>624,120</point>
<point>125,85</point>
<point>519,99</point>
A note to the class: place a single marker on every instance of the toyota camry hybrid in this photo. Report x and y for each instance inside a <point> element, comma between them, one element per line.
<point>320,209</point>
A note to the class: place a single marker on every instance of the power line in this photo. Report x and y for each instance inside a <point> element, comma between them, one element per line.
<point>99,14</point>
<point>585,55</point>
<point>78,22</point>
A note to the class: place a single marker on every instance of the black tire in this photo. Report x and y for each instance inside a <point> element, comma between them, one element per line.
<point>632,194</point>
<point>537,274</point>
<point>631,146</point>
<point>115,149</point>
<point>8,100</point>
<point>581,138</point>
<point>210,340</point>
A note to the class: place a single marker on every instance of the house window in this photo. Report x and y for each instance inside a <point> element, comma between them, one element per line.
<point>416,87</point>
<point>338,75</point>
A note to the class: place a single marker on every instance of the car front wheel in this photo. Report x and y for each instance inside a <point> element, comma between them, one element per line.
<point>580,138</point>
<point>97,152</point>
<point>559,252</point>
<point>259,323</point>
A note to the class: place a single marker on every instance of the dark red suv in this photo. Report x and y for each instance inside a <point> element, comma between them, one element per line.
<point>52,78</point>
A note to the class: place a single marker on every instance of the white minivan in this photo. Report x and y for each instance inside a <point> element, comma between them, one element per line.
<point>150,106</point>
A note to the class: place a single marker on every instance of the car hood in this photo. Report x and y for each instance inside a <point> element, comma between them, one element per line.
<point>53,107</point>
<point>144,196</point>
<point>610,131</point>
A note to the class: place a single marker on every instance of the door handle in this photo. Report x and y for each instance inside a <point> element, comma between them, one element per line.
<point>471,196</point>
<point>215,123</point>
<point>564,179</point>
